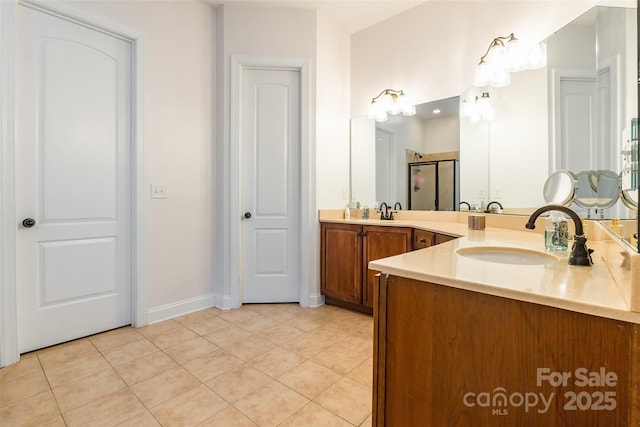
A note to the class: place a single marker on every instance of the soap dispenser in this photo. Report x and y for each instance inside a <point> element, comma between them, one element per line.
<point>556,233</point>
<point>347,213</point>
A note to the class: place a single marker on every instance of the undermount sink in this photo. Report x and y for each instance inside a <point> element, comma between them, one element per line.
<point>506,255</point>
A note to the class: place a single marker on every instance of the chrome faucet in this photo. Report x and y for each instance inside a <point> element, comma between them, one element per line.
<point>488,210</point>
<point>385,214</point>
<point>580,254</point>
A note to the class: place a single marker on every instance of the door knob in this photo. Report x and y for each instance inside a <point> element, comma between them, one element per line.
<point>247,215</point>
<point>28,222</point>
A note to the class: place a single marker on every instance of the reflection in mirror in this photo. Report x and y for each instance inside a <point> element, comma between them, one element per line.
<point>575,115</point>
<point>382,151</point>
<point>560,188</point>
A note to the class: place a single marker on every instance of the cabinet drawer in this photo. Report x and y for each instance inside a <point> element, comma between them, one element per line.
<point>423,239</point>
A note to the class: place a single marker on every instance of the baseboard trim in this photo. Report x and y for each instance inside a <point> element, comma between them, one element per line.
<point>169,311</point>
<point>316,300</point>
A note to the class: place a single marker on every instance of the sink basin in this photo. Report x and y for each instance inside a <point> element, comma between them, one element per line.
<point>506,255</point>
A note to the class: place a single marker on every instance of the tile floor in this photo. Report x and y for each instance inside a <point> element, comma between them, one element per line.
<point>265,365</point>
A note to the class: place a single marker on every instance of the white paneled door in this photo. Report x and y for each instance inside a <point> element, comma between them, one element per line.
<point>73,177</point>
<point>270,185</point>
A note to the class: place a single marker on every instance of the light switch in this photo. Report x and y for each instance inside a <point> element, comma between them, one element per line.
<point>158,191</point>
<point>497,193</point>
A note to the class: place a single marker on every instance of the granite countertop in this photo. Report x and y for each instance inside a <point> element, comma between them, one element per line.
<point>605,289</point>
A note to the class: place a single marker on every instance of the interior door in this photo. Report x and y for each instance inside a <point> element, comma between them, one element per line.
<point>271,185</point>
<point>576,124</point>
<point>72,179</point>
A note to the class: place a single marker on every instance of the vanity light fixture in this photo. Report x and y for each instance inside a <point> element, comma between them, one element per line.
<point>481,110</point>
<point>390,101</point>
<point>506,55</point>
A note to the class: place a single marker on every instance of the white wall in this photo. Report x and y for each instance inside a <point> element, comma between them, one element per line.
<point>441,135</point>
<point>333,104</point>
<point>180,66</point>
<point>431,51</point>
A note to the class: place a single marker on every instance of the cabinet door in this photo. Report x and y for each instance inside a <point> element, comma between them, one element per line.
<point>341,262</point>
<point>423,239</point>
<point>381,242</point>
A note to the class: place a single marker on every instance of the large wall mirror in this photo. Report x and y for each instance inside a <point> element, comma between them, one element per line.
<point>575,114</point>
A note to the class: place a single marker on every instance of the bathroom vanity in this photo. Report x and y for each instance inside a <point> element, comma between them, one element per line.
<point>461,341</point>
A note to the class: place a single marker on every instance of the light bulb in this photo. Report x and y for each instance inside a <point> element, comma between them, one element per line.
<point>483,74</point>
<point>500,78</point>
<point>537,56</point>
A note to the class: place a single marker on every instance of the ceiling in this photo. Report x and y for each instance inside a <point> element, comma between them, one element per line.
<point>352,15</point>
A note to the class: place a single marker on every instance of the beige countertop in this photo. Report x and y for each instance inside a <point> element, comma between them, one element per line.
<point>605,289</point>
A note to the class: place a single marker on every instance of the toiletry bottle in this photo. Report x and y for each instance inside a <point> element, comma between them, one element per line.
<point>365,212</point>
<point>347,213</point>
<point>616,227</point>
<point>556,233</point>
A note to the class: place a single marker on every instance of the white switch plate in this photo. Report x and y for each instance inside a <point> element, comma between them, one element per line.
<point>158,191</point>
<point>497,193</point>
<point>482,193</point>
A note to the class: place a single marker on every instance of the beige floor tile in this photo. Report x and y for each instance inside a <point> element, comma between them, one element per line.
<point>332,334</point>
<point>239,382</point>
<point>340,358</point>
<point>228,417</point>
<point>115,338</point>
<point>90,392</point>
<point>304,323</point>
<point>191,318</point>
<point>362,345</point>
<point>212,364</point>
<point>314,415</point>
<point>368,422</point>
<point>172,337</point>
<point>225,337</point>
<point>66,353</point>
<point>143,419</point>
<point>249,348</point>
<point>109,410</point>
<point>262,324</point>
<point>240,316</point>
<point>280,315</point>
<point>75,369</point>
<point>363,373</point>
<point>261,309</point>
<point>277,362</point>
<point>167,385</point>
<point>271,404</point>
<point>348,400</point>
<point>55,422</point>
<point>190,408</point>
<point>32,411</point>
<point>215,311</point>
<point>281,334</point>
<point>158,328</point>
<point>28,364</point>
<point>145,367</point>
<point>24,386</point>
<point>308,345</point>
<point>78,393</point>
<point>189,350</point>
<point>130,351</point>
<point>310,379</point>
<point>208,325</point>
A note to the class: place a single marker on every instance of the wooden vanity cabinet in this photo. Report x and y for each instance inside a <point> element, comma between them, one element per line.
<point>346,250</point>
<point>450,357</point>
<point>423,239</point>
<point>441,238</point>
